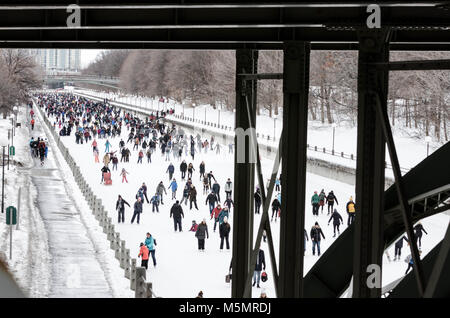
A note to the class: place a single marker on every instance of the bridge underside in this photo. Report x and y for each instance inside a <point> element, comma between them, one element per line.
<point>296,27</point>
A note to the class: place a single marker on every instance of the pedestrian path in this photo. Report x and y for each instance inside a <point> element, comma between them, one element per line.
<point>76,271</point>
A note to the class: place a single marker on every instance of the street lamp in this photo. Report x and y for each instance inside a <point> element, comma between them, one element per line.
<point>218,119</point>
<point>274,125</point>
<point>428,140</point>
<point>183,108</point>
<point>334,128</point>
<point>15,110</point>
<point>193,111</point>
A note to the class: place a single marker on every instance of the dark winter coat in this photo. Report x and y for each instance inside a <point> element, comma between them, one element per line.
<point>399,243</point>
<point>120,205</point>
<point>170,169</point>
<point>337,218</point>
<point>224,229</point>
<point>418,230</point>
<point>257,196</point>
<point>183,167</point>
<point>276,204</point>
<point>211,198</point>
<point>331,198</point>
<point>316,233</point>
<point>202,231</point>
<point>138,207</point>
<point>176,211</point>
<point>216,188</point>
<point>193,194</point>
<point>260,261</point>
<point>202,168</point>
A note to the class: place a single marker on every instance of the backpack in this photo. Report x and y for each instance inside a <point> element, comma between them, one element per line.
<point>264,277</point>
<point>351,207</point>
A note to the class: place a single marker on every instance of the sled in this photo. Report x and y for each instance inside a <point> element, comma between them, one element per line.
<point>107,178</point>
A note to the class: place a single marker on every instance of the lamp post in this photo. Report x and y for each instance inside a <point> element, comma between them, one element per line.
<point>193,112</point>
<point>218,119</point>
<point>15,110</point>
<point>428,140</point>
<point>334,128</point>
<point>274,126</point>
<point>183,108</point>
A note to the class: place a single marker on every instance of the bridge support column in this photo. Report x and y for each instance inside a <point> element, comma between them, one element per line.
<point>294,146</point>
<point>370,163</point>
<point>244,173</point>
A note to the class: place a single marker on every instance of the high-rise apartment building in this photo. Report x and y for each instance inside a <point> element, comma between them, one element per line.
<point>58,59</point>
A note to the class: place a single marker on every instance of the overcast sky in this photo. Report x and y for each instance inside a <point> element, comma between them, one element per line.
<point>88,56</point>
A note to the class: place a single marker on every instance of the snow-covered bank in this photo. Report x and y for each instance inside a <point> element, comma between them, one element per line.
<point>30,263</point>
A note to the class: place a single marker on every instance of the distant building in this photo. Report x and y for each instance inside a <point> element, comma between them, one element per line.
<point>54,60</point>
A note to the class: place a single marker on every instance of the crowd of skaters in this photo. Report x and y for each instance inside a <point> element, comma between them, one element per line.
<point>95,121</point>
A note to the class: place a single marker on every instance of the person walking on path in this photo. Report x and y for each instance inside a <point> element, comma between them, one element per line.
<point>337,220</point>
<point>224,231</point>
<point>183,168</point>
<point>259,266</point>
<point>143,251</point>
<point>124,175</point>
<point>351,209</point>
<point>173,186</point>
<point>216,189</point>
<point>410,262</point>
<point>276,206</point>
<point>322,197</point>
<point>315,204</point>
<point>399,246</point>
<point>96,154</point>
<point>228,188</point>
<point>170,170</point>
<point>177,212</point>
<point>107,145</point>
<point>418,229</point>
<point>150,243</point>
<point>201,233</point>
<point>316,233</point>
<point>144,191</point>
<point>193,198</point>
<point>104,170</point>
<point>155,203</point>
<point>330,200</point>
<point>94,145</point>
<point>137,210</point>
<point>211,199</point>
<point>120,207</point>
<point>160,189</point>
<point>215,213</point>
<point>258,200</point>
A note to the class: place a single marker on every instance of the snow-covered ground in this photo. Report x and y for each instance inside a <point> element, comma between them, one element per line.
<point>31,259</point>
<point>182,271</point>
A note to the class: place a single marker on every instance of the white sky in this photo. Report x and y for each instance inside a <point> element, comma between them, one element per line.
<point>88,56</point>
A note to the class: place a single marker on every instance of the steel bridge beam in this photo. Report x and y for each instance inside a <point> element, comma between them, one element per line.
<point>294,146</point>
<point>244,173</point>
<point>370,163</point>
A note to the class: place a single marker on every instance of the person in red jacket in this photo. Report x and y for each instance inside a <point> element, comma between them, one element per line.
<point>215,212</point>
<point>194,227</point>
<point>144,252</point>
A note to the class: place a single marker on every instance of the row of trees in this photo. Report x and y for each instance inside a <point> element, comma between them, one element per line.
<point>417,100</point>
<point>19,74</point>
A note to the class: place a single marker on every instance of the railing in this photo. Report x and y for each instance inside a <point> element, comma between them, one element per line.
<point>136,275</point>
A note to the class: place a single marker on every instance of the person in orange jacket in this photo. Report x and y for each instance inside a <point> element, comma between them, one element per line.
<point>144,252</point>
<point>32,124</point>
<point>215,212</point>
